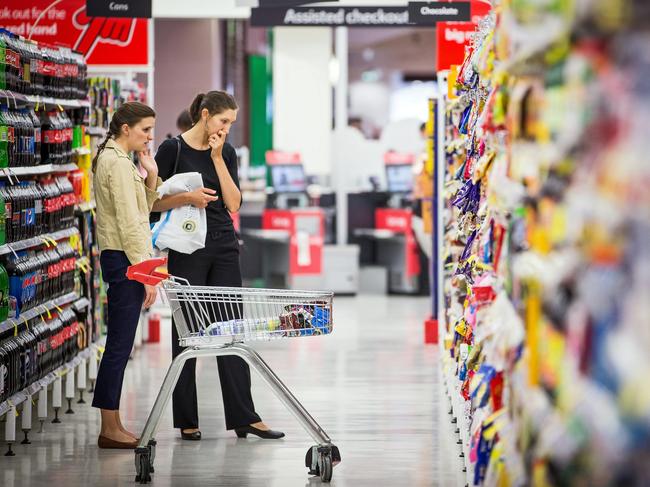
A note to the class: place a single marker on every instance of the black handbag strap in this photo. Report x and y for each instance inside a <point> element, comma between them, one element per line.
<point>154,216</point>
<point>178,154</point>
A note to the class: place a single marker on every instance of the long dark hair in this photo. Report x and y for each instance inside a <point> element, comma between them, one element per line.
<point>129,113</point>
<point>215,102</point>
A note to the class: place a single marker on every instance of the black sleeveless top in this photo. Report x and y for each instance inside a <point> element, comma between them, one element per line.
<point>193,160</point>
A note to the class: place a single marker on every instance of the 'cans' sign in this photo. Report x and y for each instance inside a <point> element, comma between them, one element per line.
<point>119,8</point>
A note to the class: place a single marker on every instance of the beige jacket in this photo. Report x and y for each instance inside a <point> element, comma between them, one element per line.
<point>123,205</point>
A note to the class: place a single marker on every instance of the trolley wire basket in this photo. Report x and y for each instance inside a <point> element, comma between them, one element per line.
<point>205,315</point>
<point>216,321</point>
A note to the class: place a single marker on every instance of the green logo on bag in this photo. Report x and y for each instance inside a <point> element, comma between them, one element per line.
<point>189,226</point>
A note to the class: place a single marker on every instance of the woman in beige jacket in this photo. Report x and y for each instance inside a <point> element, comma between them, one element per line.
<point>125,194</point>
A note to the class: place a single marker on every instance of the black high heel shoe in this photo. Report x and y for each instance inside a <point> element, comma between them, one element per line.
<point>264,434</point>
<point>196,436</point>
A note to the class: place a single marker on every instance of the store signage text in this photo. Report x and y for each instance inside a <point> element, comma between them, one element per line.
<point>334,17</point>
<point>458,36</point>
<point>397,222</point>
<point>119,8</point>
<point>433,12</point>
<point>281,222</point>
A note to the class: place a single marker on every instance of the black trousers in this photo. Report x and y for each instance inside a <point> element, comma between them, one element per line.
<point>215,265</point>
<point>125,299</point>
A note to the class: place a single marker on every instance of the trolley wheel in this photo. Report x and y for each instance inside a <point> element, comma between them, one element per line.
<point>152,454</point>
<point>320,460</point>
<point>309,461</point>
<point>325,466</point>
<point>142,465</point>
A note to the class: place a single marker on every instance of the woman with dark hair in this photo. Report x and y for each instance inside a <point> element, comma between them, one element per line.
<point>124,199</point>
<point>203,149</point>
<point>184,121</point>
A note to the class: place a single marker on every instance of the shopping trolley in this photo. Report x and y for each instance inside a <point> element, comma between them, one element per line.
<point>216,321</point>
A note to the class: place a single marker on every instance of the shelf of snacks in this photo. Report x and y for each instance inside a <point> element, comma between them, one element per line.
<point>546,223</point>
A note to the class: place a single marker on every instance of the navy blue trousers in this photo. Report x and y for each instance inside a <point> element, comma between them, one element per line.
<point>215,265</point>
<point>125,300</point>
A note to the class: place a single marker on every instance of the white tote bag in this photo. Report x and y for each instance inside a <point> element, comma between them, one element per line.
<point>182,229</point>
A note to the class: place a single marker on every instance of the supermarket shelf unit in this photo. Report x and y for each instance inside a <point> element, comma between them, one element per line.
<point>544,344</point>
<point>83,367</point>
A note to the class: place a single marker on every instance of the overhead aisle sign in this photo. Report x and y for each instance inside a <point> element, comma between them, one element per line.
<point>102,40</point>
<point>421,14</point>
<point>119,8</point>
<point>331,16</point>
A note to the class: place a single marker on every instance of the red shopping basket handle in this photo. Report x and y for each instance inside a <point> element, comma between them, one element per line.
<point>145,272</point>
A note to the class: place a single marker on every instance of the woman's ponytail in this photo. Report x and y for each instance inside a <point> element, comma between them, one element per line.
<point>100,149</point>
<point>215,102</point>
<point>195,107</point>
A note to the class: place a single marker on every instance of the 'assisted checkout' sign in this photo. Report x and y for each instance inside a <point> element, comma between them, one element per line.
<point>423,14</point>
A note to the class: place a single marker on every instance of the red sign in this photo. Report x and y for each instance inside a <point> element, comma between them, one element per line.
<point>103,41</point>
<point>399,221</point>
<point>480,8</point>
<point>394,158</point>
<point>305,257</point>
<point>278,157</point>
<point>396,220</point>
<point>453,37</point>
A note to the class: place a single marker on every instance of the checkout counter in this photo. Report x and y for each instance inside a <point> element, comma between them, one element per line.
<point>290,244</point>
<point>380,222</point>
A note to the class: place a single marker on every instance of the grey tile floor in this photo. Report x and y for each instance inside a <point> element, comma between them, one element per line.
<point>372,385</point>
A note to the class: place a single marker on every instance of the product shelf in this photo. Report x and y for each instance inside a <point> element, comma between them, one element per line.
<point>57,102</point>
<point>38,310</point>
<point>37,170</point>
<point>87,206</point>
<point>37,241</point>
<point>459,411</point>
<point>20,397</point>
<point>19,100</point>
<point>81,304</point>
<point>96,131</point>
<point>65,168</point>
<point>82,151</point>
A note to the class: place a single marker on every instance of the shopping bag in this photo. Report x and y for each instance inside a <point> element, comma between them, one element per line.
<point>182,229</point>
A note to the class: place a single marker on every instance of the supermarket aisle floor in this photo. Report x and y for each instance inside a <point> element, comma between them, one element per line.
<point>372,385</point>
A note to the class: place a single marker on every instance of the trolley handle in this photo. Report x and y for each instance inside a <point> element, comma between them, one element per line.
<point>145,272</point>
